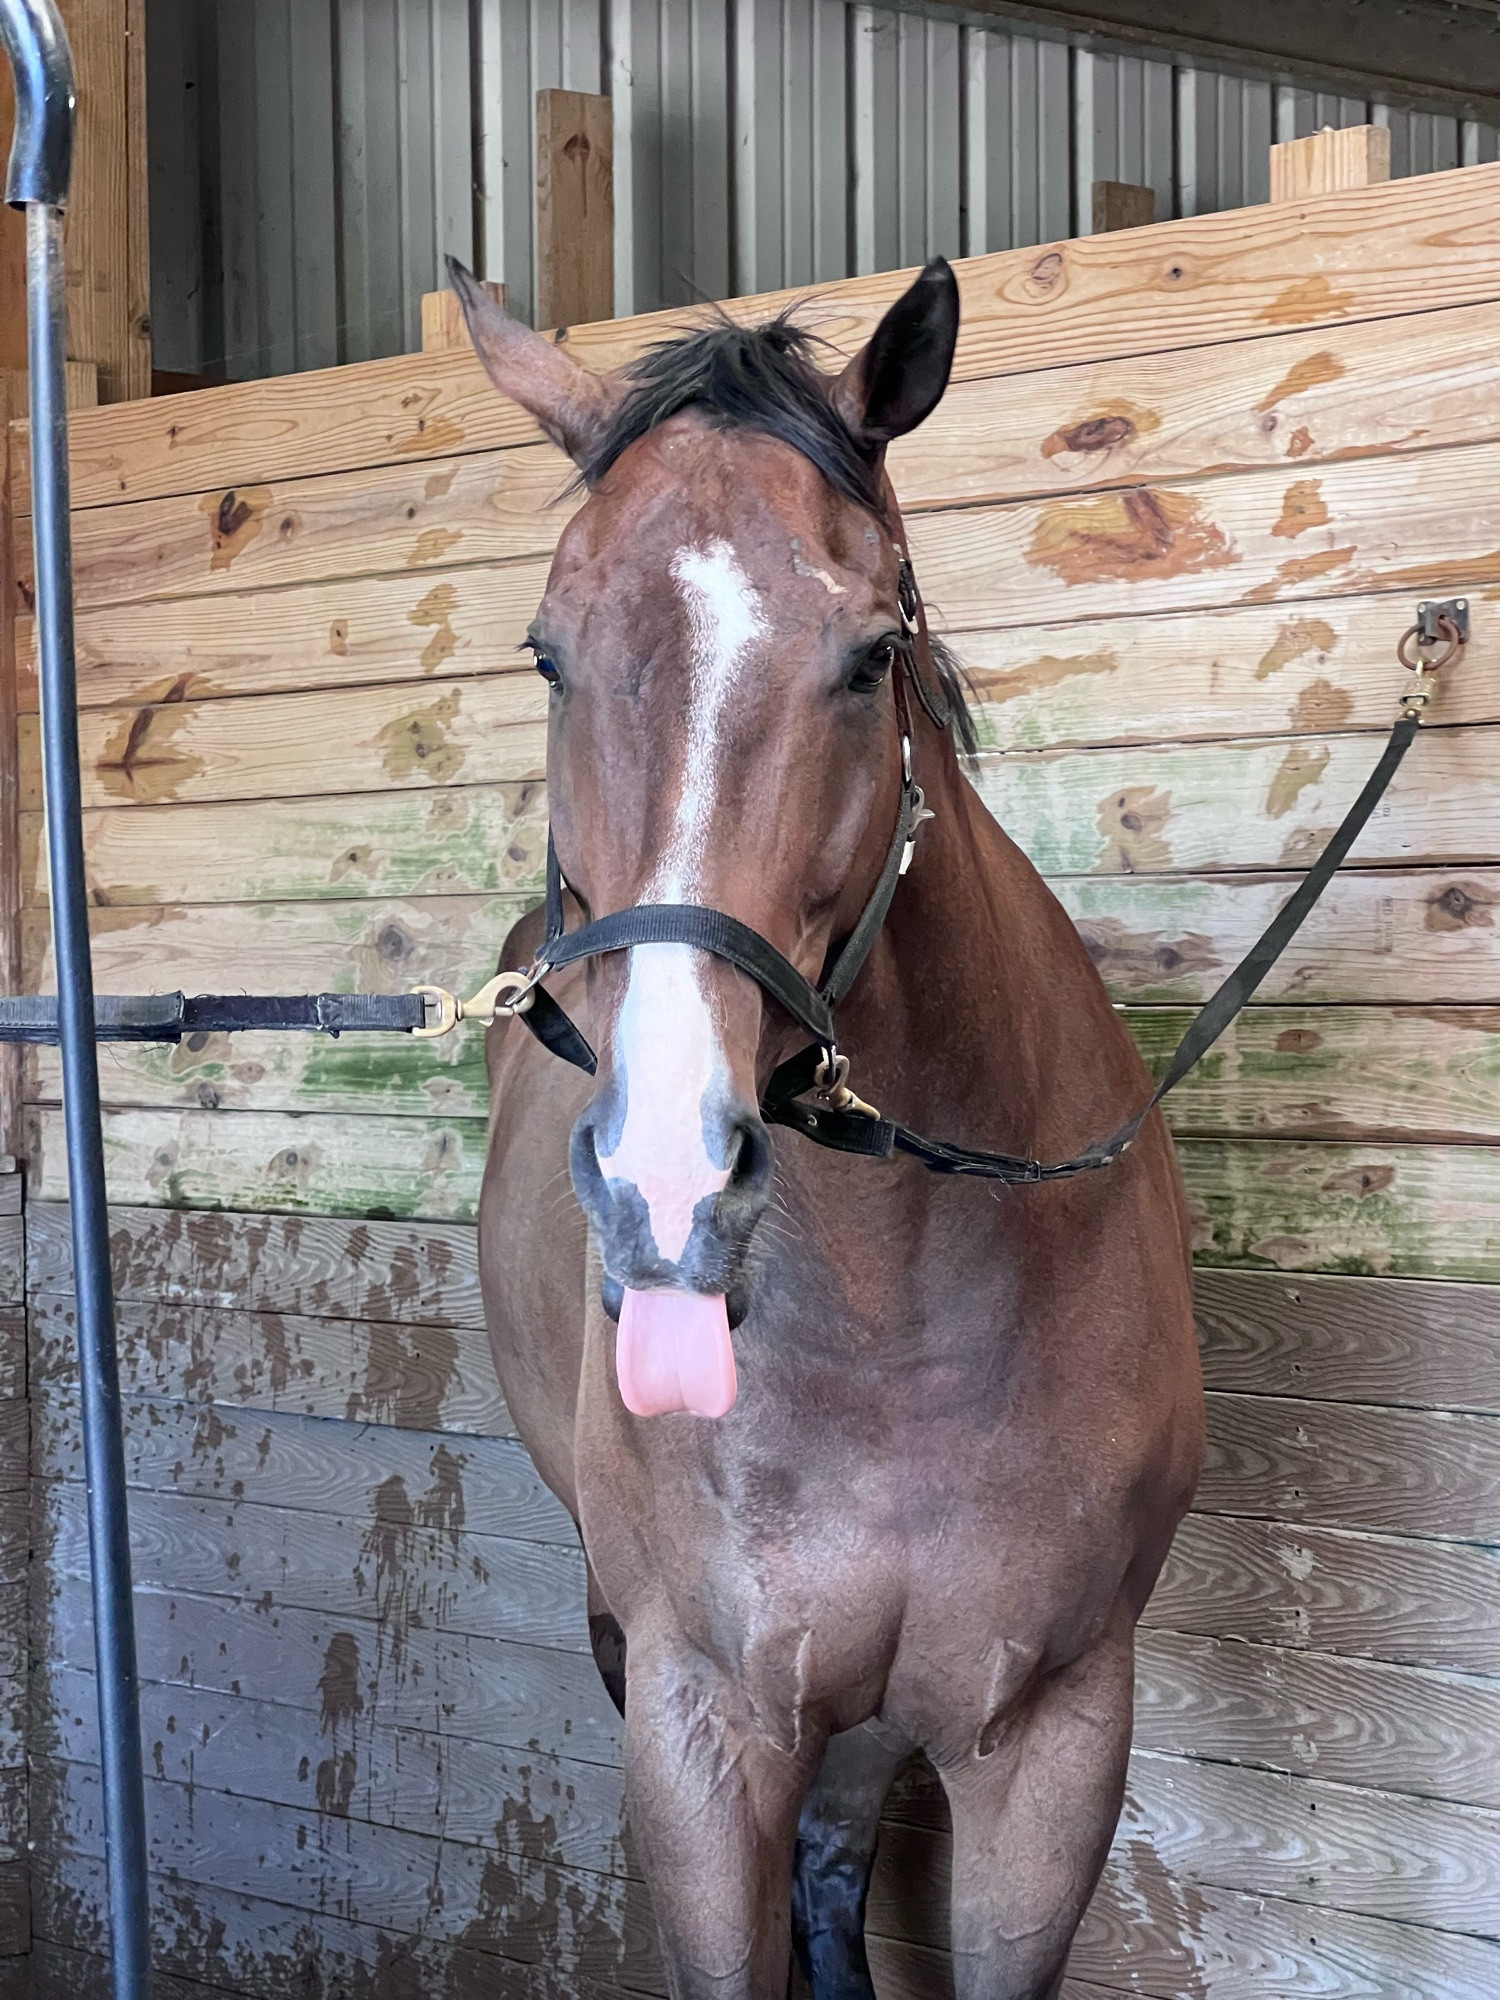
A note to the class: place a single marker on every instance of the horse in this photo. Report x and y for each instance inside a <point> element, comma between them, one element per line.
<point>864,1460</point>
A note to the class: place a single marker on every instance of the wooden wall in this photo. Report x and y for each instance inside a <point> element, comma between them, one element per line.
<point>1175,513</point>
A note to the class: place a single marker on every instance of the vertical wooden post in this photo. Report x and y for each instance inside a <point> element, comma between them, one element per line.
<point>575,208</point>
<point>1122,205</point>
<point>108,235</point>
<point>1353,156</point>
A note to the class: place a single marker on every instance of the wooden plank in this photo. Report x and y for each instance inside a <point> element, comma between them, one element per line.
<point>443,325</point>
<point>453,1685</point>
<point>1422,936</point>
<point>437,841</point>
<point>1401,1073</point>
<point>411,1377</point>
<point>1418,1603</point>
<point>485,1485</point>
<point>1337,1465</point>
<point>15,1908</point>
<point>231,1942</point>
<point>1251,670</point>
<point>347,633</point>
<point>375,945</point>
<point>13,1701</point>
<point>1387,1211</point>
<point>1179,808</point>
<point>1141,809</point>
<point>1353,156</point>
<point>1418,1211</point>
<point>316,1266</point>
<point>489,730</point>
<point>412,1885</point>
<point>1350,1722</point>
<point>575,207</point>
<point>12,1350</point>
<point>1250,272</point>
<point>273,1072</point>
<point>1423,525</point>
<point>485,508</point>
<point>384,1571</point>
<point>427,1169</point>
<point>1357,1340</point>
<point>12,1259</point>
<point>14,1651</point>
<point>1122,205</point>
<point>559,1811</point>
<point>13,1446</point>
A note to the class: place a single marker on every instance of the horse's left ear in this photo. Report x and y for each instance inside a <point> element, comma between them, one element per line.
<point>898,378</point>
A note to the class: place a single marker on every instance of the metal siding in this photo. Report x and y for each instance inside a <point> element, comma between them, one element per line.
<point>344,145</point>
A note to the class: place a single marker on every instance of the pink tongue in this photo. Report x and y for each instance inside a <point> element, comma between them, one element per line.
<point>673,1353</point>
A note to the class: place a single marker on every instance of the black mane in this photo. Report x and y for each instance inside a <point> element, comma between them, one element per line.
<point>761,378</point>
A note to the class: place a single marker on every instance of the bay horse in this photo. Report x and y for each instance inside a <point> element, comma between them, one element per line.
<point>863,1459</point>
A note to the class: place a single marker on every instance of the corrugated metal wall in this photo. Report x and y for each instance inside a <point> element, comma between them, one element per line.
<point>311,160</point>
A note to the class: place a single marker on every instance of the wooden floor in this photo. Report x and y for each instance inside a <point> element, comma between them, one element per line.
<point>1175,514</point>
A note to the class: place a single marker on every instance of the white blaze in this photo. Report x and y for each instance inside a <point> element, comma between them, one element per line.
<point>666,1044</point>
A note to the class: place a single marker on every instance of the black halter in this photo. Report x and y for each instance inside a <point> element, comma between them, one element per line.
<point>809,1092</point>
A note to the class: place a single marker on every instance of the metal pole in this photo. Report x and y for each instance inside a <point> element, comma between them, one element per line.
<point>40,162</point>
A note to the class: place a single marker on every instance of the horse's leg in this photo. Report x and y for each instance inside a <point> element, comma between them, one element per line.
<point>713,1792</point>
<point>835,1851</point>
<point>1032,1823</point>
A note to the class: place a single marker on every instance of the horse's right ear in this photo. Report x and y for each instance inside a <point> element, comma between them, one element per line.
<point>899,375</point>
<point>572,404</point>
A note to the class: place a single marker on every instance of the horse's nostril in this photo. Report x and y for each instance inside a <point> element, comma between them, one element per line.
<point>749,1155</point>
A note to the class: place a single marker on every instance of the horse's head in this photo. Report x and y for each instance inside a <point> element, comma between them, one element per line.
<point>718,635</point>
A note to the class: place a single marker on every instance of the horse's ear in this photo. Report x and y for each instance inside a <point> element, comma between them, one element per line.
<point>572,404</point>
<point>899,376</point>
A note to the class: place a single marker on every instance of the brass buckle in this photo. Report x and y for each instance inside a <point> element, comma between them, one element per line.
<point>830,1083</point>
<point>485,1005</point>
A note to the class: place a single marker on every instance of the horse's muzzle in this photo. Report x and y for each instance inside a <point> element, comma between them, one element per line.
<point>714,1257</point>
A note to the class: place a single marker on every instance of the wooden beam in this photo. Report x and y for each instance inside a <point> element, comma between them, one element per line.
<point>1427,54</point>
<point>443,326</point>
<point>1123,205</point>
<point>575,205</point>
<point>107,238</point>
<point>1328,161</point>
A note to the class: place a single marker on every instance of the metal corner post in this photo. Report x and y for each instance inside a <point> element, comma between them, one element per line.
<point>37,180</point>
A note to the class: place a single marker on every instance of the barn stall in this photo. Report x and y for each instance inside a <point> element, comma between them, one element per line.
<point>1176,511</point>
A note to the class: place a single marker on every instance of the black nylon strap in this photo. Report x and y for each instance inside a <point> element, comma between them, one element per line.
<point>707,930</point>
<point>1210,1022</point>
<point>167,1017</point>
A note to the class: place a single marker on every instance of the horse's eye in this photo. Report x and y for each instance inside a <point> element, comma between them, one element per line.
<point>546,666</point>
<point>872,668</point>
